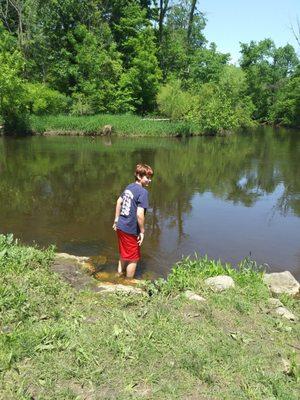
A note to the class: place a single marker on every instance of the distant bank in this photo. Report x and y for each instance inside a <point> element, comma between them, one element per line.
<point>105,124</point>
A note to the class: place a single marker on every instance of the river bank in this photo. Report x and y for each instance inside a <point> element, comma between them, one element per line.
<point>103,124</point>
<point>57,342</point>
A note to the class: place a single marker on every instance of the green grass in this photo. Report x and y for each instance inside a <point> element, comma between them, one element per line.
<point>123,125</point>
<point>56,343</point>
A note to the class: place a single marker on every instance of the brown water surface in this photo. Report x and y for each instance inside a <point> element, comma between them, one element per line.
<point>225,197</point>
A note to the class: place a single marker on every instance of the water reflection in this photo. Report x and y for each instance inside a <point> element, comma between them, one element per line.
<point>222,196</point>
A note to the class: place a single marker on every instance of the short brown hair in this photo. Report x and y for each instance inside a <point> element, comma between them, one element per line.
<point>143,170</point>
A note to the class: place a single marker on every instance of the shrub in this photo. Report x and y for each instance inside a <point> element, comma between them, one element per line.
<point>173,102</point>
<point>214,107</point>
<point>43,100</point>
<point>224,105</point>
<point>80,105</point>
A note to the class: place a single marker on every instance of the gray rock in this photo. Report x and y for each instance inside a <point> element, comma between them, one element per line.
<point>106,287</point>
<point>277,307</point>
<point>282,282</point>
<point>286,366</point>
<point>274,303</point>
<point>285,313</point>
<point>193,296</point>
<point>220,283</point>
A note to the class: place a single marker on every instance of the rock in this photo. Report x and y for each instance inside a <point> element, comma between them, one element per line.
<point>73,269</point>
<point>285,313</point>
<point>193,296</point>
<point>286,366</point>
<point>282,282</point>
<point>108,287</point>
<point>278,308</point>
<point>107,130</point>
<point>220,283</point>
<point>274,303</point>
<point>70,257</point>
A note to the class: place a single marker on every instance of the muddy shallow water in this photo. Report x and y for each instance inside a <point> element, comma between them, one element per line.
<point>226,197</point>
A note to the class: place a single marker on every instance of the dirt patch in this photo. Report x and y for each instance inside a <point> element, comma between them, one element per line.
<point>143,390</point>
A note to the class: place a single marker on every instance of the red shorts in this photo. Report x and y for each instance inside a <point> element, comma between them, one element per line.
<point>129,248</point>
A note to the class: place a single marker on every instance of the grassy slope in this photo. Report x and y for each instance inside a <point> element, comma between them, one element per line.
<point>56,343</point>
<point>123,125</point>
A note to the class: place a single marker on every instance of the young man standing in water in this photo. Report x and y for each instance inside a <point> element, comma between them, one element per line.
<point>129,220</point>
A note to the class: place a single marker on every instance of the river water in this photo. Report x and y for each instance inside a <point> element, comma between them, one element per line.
<point>225,197</point>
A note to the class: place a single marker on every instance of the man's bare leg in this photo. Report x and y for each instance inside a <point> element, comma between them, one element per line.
<point>121,268</point>
<point>130,270</point>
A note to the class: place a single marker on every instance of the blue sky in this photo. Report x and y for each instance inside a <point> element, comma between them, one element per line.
<point>231,21</point>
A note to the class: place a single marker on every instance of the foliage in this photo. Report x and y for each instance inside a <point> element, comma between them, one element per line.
<point>286,107</point>
<point>123,125</point>
<point>12,94</point>
<point>224,105</point>
<point>267,69</point>
<point>186,274</point>
<point>173,102</point>
<point>137,45</point>
<point>177,49</point>
<point>214,107</point>
<point>122,56</point>
<point>43,100</point>
<point>96,72</point>
<point>206,65</point>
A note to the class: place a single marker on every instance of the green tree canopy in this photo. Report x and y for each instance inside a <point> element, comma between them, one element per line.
<point>12,93</point>
<point>267,68</point>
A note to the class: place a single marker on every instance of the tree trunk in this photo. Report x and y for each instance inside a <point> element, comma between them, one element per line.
<point>163,8</point>
<point>296,33</point>
<point>191,18</point>
<point>18,6</point>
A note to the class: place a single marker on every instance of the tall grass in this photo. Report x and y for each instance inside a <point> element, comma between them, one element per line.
<point>123,125</point>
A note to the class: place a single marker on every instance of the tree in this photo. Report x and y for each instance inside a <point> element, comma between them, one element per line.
<point>296,31</point>
<point>12,93</point>
<point>206,65</point>
<point>182,36</point>
<point>141,74</point>
<point>12,14</point>
<point>96,70</point>
<point>191,18</point>
<point>163,9</point>
<point>286,107</point>
<point>267,68</point>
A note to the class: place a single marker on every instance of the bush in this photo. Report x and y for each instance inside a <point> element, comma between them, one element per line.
<point>43,100</point>
<point>214,107</point>
<point>174,102</point>
<point>80,105</point>
<point>218,111</point>
<point>224,105</point>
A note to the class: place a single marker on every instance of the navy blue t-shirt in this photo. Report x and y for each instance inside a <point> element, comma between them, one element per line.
<point>134,196</point>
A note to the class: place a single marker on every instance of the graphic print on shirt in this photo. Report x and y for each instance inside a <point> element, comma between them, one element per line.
<point>126,204</point>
